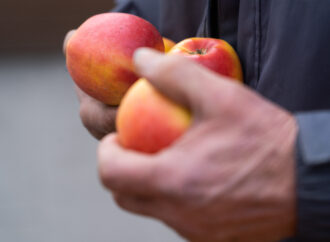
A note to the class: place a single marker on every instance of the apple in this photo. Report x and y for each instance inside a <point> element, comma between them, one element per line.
<point>168,44</point>
<point>99,54</point>
<point>215,54</point>
<point>147,121</point>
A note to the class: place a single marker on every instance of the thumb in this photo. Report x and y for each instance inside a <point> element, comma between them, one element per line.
<point>180,79</point>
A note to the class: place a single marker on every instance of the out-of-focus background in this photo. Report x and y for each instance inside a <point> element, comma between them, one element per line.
<point>49,189</point>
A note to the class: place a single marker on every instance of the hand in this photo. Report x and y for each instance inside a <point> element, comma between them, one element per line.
<point>231,177</point>
<point>97,117</point>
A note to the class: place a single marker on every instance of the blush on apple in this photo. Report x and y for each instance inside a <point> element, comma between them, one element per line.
<point>147,121</point>
<point>215,54</point>
<point>99,54</point>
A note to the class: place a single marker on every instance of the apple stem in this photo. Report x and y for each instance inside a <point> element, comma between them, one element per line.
<point>199,52</point>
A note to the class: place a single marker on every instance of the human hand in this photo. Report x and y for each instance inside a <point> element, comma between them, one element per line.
<point>230,177</point>
<point>97,117</point>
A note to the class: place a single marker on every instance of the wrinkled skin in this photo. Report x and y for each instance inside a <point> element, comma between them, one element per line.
<point>230,177</point>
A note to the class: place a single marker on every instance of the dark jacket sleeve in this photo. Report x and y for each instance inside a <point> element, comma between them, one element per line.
<point>313,176</point>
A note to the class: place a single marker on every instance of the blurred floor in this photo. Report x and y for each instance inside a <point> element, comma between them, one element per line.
<point>49,190</point>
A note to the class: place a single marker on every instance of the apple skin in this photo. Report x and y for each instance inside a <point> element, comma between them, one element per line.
<point>169,44</point>
<point>99,54</point>
<point>215,54</point>
<point>147,121</point>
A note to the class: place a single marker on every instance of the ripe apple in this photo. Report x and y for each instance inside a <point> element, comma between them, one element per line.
<point>99,54</point>
<point>215,54</point>
<point>147,121</point>
<point>168,44</point>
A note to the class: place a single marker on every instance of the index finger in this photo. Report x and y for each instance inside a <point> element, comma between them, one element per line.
<point>128,171</point>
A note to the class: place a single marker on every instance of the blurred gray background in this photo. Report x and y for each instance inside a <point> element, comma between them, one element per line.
<point>49,189</point>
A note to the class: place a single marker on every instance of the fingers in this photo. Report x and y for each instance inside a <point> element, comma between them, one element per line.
<point>182,80</point>
<point>127,171</point>
<point>139,205</point>
<point>98,118</point>
<point>66,39</point>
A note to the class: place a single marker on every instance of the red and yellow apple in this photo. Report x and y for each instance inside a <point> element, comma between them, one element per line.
<point>147,121</point>
<point>215,54</point>
<point>99,54</point>
<point>169,44</point>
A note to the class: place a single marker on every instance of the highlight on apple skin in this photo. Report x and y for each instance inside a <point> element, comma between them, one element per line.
<point>215,54</point>
<point>147,121</point>
<point>99,54</point>
<point>169,44</point>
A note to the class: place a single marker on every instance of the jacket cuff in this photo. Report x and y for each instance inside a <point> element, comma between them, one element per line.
<point>313,177</point>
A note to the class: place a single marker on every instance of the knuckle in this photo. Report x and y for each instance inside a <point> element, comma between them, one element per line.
<point>104,175</point>
<point>120,200</point>
<point>106,172</point>
<point>109,121</point>
<point>107,177</point>
<point>123,202</point>
<point>97,120</point>
<point>84,113</point>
